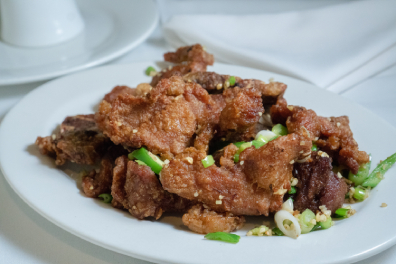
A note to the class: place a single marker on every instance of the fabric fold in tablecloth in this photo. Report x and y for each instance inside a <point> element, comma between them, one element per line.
<point>333,47</point>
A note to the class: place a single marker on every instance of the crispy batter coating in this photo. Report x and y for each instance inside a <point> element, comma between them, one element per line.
<point>332,135</point>
<point>137,188</point>
<point>223,189</point>
<point>111,96</point>
<point>204,221</point>
<point>318,185</point>
<point>166,120</point>
<point>242,110</point>
<point>271,165</point>
<point>79,140</point>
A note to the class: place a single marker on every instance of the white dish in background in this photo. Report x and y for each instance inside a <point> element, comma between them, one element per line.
<point>55,195</point>
<point>112,28</point>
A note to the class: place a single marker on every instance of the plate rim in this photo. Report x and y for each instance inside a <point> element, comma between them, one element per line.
<point>47,85</point>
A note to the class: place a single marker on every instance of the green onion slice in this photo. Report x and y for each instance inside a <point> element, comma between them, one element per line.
<point>106,197</point>
<point>232,80</point>
<point>360,193</point>
<point>326,224</point>
<point>148,158</point>
<point>149,70</point>
<point>279,130</point>
<point>277,232</point>
<point>243,146</point>
<point>258,144</point>
<point>378,173</point>
<point>293,190</point>
<point>342,212</point>
<point>223,236</point>
<point>361,175</point>
<point>239,144</point>
<point>314,147</point>
<point>305,221</point>
<point>208,161</point>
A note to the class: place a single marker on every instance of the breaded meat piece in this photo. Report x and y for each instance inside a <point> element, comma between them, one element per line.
<point>190,53</point>
<point>222,189</point>
<point>204,221</point>
<point>242,110</point>
<point>99,181</point>
<point>332,135</point>
<point>78,140</point>
<point>217,83</point>
<point>137,188</point>
<point>271,165</point>
<point>188,59</point>
<point>318,185</point>
<point>173,116</point>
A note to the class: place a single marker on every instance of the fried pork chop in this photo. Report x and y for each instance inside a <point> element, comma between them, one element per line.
<point>138,190</point>
<point>332,135</point>
<point>79,140</point>
<point>171,117</point>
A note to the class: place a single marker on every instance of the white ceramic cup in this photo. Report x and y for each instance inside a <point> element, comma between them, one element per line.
<point>37,23</point>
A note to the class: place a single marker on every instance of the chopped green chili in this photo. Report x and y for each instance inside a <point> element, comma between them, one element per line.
<point>150,70</point>
<point>232,80</point>
<point>208,161</point>
<point>279,130</point>
<point>293,190</point>
<point>361,175</point>
<point>148,158</point>
<point>106,197</point>
<point>378,173</point>
<point>222,236</point>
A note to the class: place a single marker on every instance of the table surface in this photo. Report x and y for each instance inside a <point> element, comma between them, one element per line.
<point>27,237</point>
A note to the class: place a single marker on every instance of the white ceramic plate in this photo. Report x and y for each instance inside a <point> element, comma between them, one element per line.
<point>112,28</point>
<point>56,196</point>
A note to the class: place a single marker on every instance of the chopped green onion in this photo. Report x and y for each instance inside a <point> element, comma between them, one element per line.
<point>150,70</point>
<point>316,227</point>
<point>279,130</point>
<point>239,144</point>
<point>232,80</point>
<point>244,146</point>
<point>208,161</point>
<point>258,231</point>
<point>314,147</point>
<point>361,175</point>
<point>148,158</point>
<point>342,212</point>
<point>361,193</point>
<point>222,236</point>
<point>326,224</point>
<point>305,221</point>
<point>106,197</point>
<point>277,232</point>
<point>258,144</point>
<point>140,162</point>
<point>293,190</point>
<point>266,136</point>
<point>378,173</point>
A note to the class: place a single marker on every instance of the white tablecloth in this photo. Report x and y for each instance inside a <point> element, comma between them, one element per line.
<point>27,237</point>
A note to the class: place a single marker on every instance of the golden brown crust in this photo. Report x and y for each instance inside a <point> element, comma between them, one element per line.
<point>223,189</point>
<point>164,121</point>
<point>204,221</point>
